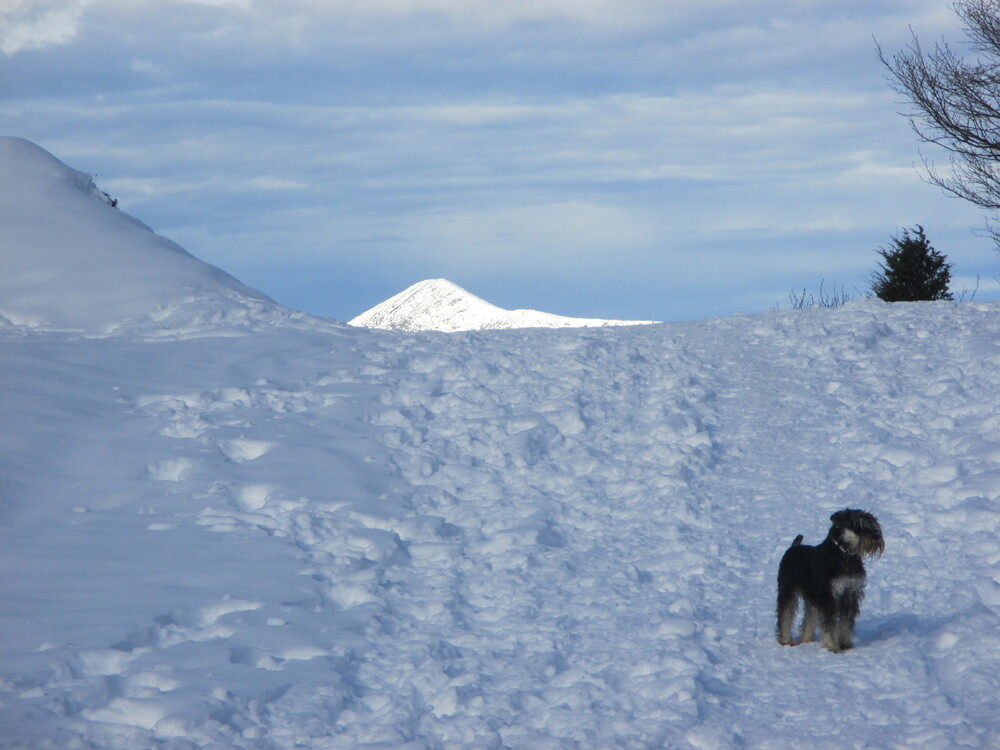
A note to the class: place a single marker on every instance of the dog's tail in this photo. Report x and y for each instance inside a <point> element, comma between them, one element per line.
<point>798,541</point>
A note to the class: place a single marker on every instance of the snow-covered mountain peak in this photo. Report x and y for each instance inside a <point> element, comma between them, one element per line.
<point>441,305</point>
<point>432,304</point>
<point>71,261</point>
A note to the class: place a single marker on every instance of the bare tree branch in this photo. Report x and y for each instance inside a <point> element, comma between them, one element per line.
<point>956,103</point>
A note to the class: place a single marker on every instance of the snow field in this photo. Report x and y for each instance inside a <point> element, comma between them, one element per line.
<point>532,629</point>
<point>303,535</point>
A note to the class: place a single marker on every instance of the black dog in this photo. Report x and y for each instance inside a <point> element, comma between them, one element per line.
<point>830,577</point>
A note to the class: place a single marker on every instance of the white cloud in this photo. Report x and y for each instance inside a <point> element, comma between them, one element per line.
<point>538,236</point>
<point>482,14</point>
<point>30,24</point>
<point>692,29</point>
<point>240,4</point>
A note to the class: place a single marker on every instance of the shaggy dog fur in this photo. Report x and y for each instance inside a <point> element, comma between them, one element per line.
<point>830,578</point>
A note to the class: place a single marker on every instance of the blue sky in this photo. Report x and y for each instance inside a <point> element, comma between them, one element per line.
<point>602,158</point>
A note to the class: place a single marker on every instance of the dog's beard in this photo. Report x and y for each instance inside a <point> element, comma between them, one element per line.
<point>870,545</point>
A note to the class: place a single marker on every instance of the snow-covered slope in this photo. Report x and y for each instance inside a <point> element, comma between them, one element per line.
<point>331,538</point>
<point>72,262</point>
<point>440,305</point>
<point>294,534</point>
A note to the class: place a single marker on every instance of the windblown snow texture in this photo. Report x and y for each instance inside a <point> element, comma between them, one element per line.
<point>284,532</point>
<point>440,305</point>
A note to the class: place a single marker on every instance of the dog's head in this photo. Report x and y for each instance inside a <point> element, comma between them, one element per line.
<point>858,532</point>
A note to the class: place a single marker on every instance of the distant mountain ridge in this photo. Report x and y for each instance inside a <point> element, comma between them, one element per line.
<point>441,305</point>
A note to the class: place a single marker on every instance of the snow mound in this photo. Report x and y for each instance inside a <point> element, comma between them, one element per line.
<point>73,262</point>
<point>440,305</point>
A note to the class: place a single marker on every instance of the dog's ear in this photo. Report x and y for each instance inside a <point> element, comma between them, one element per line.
<point>839,516</point>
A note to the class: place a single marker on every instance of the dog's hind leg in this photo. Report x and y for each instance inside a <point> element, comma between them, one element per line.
<point>788,607</point>
<point>809,623</point>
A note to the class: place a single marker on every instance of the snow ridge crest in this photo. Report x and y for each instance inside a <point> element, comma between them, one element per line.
<point>73,262</point>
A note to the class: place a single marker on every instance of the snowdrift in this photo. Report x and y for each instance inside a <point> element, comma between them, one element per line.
<point>292,533</point>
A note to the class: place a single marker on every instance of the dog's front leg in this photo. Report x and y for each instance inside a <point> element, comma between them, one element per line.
<point>845,623</point>
<point>831,629</point>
